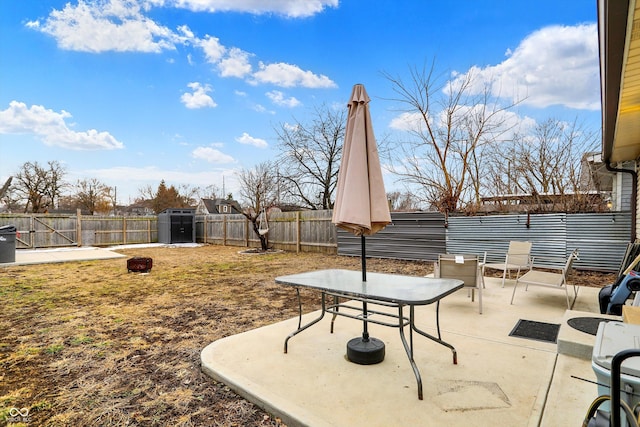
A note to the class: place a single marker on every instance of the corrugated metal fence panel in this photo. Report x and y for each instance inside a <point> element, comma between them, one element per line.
<point>492,234</point>
<point>411,236</point>
<point>601,238</point>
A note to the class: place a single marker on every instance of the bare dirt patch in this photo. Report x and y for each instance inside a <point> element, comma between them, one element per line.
<point>88,343</point>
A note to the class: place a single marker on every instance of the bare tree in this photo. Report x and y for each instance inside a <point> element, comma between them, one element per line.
<point>310,157</point>
<point>545,162</point>
<point>258,192</point>
<point>188,194</point>
<point>402,201</point>
<point>112,197</point>
<point>6,195</point>
<point>209,192</point>
<point>93,196</point>
<point>447,122</point>
<point>146,192</point>
<point>5,187</point>
<point>38,186</point>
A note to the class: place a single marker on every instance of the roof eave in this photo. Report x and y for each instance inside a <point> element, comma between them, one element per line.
<point>612,40</point>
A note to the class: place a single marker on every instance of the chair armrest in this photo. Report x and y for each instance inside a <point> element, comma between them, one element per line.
<point>493,257</point>
<point>549,263</point>
<point>512,254</point>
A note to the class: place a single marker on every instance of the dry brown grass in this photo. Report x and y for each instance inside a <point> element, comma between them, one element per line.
<point>87,343</point>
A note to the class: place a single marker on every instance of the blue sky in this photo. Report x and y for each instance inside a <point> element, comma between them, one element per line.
<point>132,92</point>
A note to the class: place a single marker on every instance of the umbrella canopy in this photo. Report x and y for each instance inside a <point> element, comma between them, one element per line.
<point>361,205</point>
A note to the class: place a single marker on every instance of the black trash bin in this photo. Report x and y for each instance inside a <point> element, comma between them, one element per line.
<point>7,243</point>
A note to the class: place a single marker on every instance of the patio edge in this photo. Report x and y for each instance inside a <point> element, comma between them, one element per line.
<point>293,417</point>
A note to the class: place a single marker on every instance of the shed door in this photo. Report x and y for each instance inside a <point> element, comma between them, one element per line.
<point>181,229</point>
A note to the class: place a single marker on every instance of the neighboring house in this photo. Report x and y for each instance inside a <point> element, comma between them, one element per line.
<point>136,209</point>
<point>218,206</point>
<point>619,39</point>
<point>616,187</point>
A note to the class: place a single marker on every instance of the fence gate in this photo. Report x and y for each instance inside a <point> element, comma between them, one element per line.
<point>53,231</point>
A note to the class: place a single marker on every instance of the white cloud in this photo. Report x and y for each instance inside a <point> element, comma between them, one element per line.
<point>278,98</point>
<point>262,109</point>
<point>503,124</point>
<point>212,155</point>
<point>287,75</point>
<point>50,126</point>
<point>199,97</point>
<point>247,139</point>
<point>555,65</point>
<point>213,49</point>
<point>235,64</point>
<point>291,127</point>
<point>121,25</point>
<point>186,31</point>
<point>289,8</point>
<point>115,25</point>
<point>406,122</point>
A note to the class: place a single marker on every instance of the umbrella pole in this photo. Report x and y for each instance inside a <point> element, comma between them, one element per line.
<point>363,255</point>
<point>364,350</point>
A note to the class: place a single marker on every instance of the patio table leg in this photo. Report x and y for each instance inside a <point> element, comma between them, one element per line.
<point>302,328</point>
<point>335,313</point>
<point>408,348</point>
<point>431,337</point>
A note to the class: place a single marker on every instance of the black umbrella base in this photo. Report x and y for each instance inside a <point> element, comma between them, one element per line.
<point>367,352</point>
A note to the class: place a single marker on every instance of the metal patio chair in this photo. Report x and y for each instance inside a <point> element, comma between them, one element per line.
<point>550,279</point>
<point>517,258</point>
<point>461,267</point>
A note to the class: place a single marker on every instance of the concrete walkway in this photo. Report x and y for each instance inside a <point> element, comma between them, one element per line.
<point>82,253</point>
<point>47,256</point>
<point>499,379</point>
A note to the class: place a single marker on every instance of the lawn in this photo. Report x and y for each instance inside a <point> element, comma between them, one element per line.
<point>88,343</point>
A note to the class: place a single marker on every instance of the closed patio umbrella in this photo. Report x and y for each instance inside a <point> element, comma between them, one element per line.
<point>361,205</point>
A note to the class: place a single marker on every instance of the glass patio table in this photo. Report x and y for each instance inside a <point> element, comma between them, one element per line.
<point>388,290</point>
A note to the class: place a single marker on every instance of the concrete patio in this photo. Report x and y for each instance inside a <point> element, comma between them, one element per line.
<point>499,379</point>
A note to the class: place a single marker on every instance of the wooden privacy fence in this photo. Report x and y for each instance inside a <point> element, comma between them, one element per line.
<point>126,230</point>
<point>50,231</point>
<point>305,231</point>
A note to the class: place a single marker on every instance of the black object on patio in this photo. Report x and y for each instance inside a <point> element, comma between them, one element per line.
<point>539,331</point>
<point>588,325</point>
